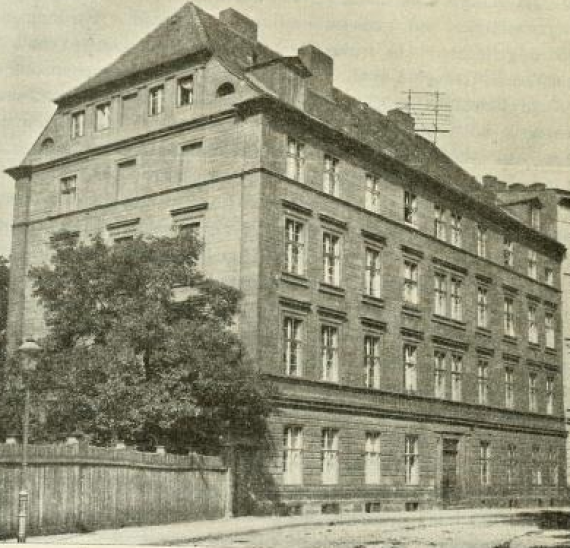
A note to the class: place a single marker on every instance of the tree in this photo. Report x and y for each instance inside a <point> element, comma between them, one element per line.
<point>124,361</point>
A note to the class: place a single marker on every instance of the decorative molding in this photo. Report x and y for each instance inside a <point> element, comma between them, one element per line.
<point>339,315</point>
<point>411,251</point>
<point>297,207</point>
<point>331,289</point>
<point>513,358</point>
<point>295,304</point>
<point>450,266</point>
<point>510,289</point>
<point>188,209</point>
<point>485,351</point>
<point>373,323</point>
<point>449,343</point>
<point>295,279</point>
<point>412,333</point>
<point>484,279</point>
<point>373,236</point>
<point>332,221</point>
<point>378,302</point>
<point>64,234</point>
<point>533,298</point>
<point>122,224</point>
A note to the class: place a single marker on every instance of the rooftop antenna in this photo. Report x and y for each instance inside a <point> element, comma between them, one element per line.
<point>428,111</point>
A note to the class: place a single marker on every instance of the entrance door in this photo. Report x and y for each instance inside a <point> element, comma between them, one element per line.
<point>449,480</point>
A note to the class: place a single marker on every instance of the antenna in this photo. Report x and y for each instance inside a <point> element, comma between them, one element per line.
<point>429,113</point>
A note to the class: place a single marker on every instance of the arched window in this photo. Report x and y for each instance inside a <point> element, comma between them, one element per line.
<point>226,88</point>
<point>47,142</point>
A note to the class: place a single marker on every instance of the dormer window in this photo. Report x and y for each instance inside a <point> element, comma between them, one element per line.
<point>78,124</point>
<point>103,116</point>
<point>156,101</point>
<point>535,217</point>
<point>185,91</point>
<point>227,88</point>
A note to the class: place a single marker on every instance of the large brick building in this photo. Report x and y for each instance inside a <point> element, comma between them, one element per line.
<point>411,324</point>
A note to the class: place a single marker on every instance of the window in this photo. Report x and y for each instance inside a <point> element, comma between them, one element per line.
<point>329,348</point>
<point>549,276</point>
<point>549,330</point>
<point>78,124</point>
<point>127,177</point>
<point>191,163</point>
<point>553,467</point>
<point>68,193</point>
<point>372,361</point>
<point>444,304</point>
<point>372,196</point>
<point>410,368</point>
<point>410,208</point>
<point>331,259</point>
<point>439,374</point>
<point>440,227</point>
<point>193,229</point>
<point>456,230</point>
<point>330,175</point>
<point>509,317</point>
<point>293,346</point>
<point>411,293</point>
<point>372,273</point>
<point>102,116</point>
<point>456,377</point>
<point>411,458</point>
<point>535,217</point>
<point>293,455</point>
<point>185,91</point>
<point>511,464</point>
<point>532,405</point>
<point>456,299</point>
<point>532,270</point>
<point>485,463</point>
<point>372,473</point>
<point>481,241</point>
<point>227,88</point>
<point>509,388</point>
<point>155,100</point>
<point>440,294</point>
<point>483,382</point>
<point>549,395</point>
<point>294,247</point>
<point>482,308</point>
<point>329,456</point>
<point>532,326</point>
<point>295,160</point>
<point>536,466</point>
<point>508,252</point>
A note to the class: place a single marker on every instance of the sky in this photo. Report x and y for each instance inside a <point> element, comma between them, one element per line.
<point>502,65</point>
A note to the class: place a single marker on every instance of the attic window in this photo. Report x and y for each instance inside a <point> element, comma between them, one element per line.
<point>226,88</point>
<point>47,142</point>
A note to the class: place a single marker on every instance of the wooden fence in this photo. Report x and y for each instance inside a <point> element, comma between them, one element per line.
<point>81,488</point>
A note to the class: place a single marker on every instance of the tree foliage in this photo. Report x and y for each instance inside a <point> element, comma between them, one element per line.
<point>123,360</point>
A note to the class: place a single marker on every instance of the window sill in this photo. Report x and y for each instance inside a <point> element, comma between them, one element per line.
<point>411,310</point>
<point>331,289</point>
<point>510,339</point>
<point>294,279</point>
<point>448,321</point>
<point>378,302</point>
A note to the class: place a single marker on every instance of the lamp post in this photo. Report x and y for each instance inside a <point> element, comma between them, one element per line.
<point>29,351</point>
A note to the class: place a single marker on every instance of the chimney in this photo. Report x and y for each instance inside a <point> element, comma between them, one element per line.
<point>321,67</point>
<point>537,186</point>
<point>402,119</point>
<point>490,182</point>
<point>239,23</point>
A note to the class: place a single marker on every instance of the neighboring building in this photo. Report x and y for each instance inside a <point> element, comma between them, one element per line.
<point>548,209</point>
<point>385,292</point>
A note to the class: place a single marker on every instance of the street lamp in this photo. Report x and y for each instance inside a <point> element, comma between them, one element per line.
<point>29,351</point>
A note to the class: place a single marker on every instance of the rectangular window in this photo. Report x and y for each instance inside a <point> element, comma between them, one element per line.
<point>439,374</point>
<point>482,307</point>
<point>329,349</point>
<point>536,466</point>
<point>456,377</point>
<point>481,241</point>
<point>185,91</point>
<point>511,464</point>
<point>329,456</point>
<point>193,229</point>
<point>372,361</point>
<point>532,404</point>
<point>372,473</point>
<point>532,326</point>
<point>295,160</point>
<point>410,368</point>
<point>440,227</point>
<point>553,467</point>
<point>509,388</point>
<point>127,178</point>
<point>155,100</point>
<point>532,264</point>
<point>485,463</point>
<point>331,259</point>
<point>483,382</point>
<point>410,208</point>
<point>78,124</point>
<point>549,276</point>
<point>509,317</point>
<point>456,299</point>
<point>508,252</point>
<point>411,460</point>
<point>549,395</point>
<point>535,217</point>
<point>456,230</point>
<point>191,163</point>
<point>293,455</point>
<point>103,116</point>
<point>330,175</point>
<point>549,334</point>
<point>440,294</point>
<point>372,196</point>
<point>130,109</point>
<point>294,247</point>
<point>372,273</point>
<point>68,193</point>
<point>293,346</point>
<point>411,293</point>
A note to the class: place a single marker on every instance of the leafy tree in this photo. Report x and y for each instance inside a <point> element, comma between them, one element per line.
<point>124,360</point>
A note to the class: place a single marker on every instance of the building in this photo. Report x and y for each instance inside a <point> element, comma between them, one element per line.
<point>386,293</point>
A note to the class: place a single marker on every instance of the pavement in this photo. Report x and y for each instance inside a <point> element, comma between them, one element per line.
<point>191,532</point>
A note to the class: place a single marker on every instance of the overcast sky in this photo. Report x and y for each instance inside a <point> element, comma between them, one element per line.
<point>503,65</point>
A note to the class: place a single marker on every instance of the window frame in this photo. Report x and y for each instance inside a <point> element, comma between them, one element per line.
<point>332,258</point>
<point>410,364</point>
<point>411,459</point>
<point>330,353</point>
<point>292,343</point>
<point>410,208</point>
<point>456,229</point>
<point>98,107</point>
<point>292,244</point>
<point>68,208</point>
<point>156,100</point>
<point>482,307</point>
<point>77,130</point>
<point>372,458</point>
<point>293,445</point>
<point>482,241</point>
<point>372,360</point>
<point>330,465</point>
<point>331,178</point>
<point>483,381</point>
<point>509,383</point>
<point>180,89</point>
<point>440,373</point>
<point>484,463</point>
<point>295,159</point>
<point>411,285</point>
<point>372,193</point>
<point>372,271</point>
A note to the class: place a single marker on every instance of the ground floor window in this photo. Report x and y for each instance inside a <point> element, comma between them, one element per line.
<point>329,456</point>
<point>293,455</point>
<point>411,460</point>
<point>372,458</point>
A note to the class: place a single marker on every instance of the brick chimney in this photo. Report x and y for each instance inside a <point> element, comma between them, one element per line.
<point>402,119</point>
<point>490,182</point>
<point>321,67</point>
<point>239,23</point>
